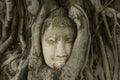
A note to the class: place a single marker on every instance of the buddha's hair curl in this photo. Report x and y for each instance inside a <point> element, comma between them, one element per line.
<point>59,18</point>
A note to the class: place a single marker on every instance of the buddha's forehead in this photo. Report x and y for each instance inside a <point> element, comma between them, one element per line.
<point>59,30</point>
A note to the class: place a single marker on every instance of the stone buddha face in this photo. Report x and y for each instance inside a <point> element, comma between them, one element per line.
<point>57,42</point>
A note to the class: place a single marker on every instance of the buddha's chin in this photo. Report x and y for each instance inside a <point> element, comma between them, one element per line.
<point>59,65</point>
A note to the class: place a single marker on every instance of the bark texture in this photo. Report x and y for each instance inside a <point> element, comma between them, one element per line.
<point>95,56</point>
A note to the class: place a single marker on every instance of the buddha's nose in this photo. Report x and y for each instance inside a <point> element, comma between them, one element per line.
<point>60,50</point>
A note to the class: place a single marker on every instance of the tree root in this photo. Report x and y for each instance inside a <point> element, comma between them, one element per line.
<point>115,76</point>
<point>88,74</point>
<point>87,56</point>
<point>6,44</point>
<point>106,25</point>
<point>99,72</point>
<point>22,68</point>
<point>10,7</point>
<point>112,13</point>
<point>4,30</point>
<point>105,61</point>
<point>11,58</point>
<point>20,35</point>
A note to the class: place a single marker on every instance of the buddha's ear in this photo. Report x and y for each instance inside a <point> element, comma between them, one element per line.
<point>80,49</point>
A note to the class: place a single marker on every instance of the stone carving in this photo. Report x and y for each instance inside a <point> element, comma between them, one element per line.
<point>58,36</point>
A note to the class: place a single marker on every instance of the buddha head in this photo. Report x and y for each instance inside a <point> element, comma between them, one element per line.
<point>58,36</point>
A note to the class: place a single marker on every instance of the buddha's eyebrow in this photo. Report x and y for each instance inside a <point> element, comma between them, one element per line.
<point>50,36</point>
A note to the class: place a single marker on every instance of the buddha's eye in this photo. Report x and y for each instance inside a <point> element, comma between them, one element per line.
<point>51,40</point>
<point>69,40</point>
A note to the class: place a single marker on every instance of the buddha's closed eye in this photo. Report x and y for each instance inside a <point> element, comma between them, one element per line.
<point>50,40</point>
<point>69,40</point>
